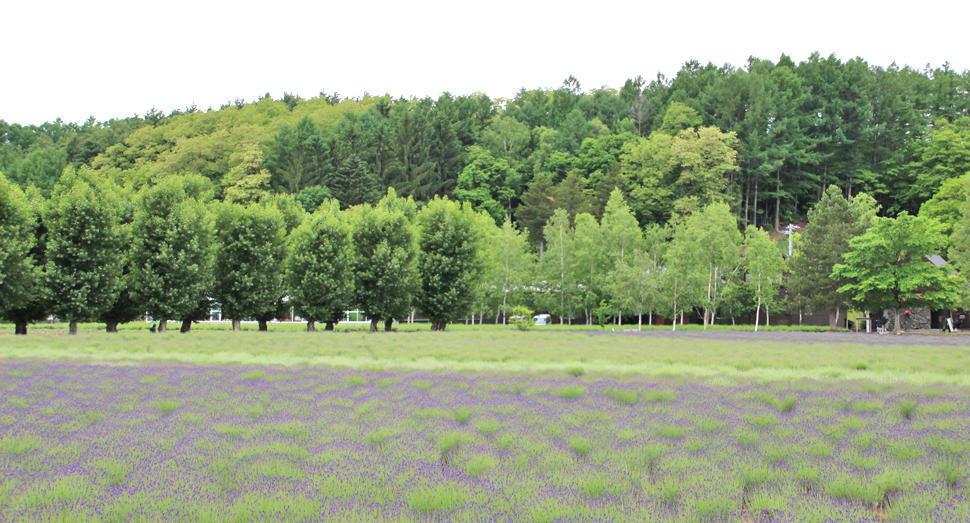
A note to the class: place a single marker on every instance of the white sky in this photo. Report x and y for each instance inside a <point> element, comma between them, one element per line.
<point>74,59</point>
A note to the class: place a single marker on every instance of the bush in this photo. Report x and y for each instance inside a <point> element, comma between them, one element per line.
<point>521,317</point>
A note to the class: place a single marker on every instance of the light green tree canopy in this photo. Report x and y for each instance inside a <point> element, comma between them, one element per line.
<point>765,265</point>
<point>17,267</point>
<point>886,266</point>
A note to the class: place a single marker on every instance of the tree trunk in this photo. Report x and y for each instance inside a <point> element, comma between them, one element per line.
<point>329,327</point>
<point>640,321</point>
<point>754,217</point>
<point>311,326</point>
<point>899,322</point>
<point>388,324</point>
<point>236,325</point>
<point>162,326</point>
<point>777,200</point>
<point>262,326</point>
<point>20,328</point>
<point>111,327</point>
<point>373,325</point>
<point>650,319</point>
<point>186,326</point>
<point>757,315</point>
<point>72,328</point>
<point>833,320</point>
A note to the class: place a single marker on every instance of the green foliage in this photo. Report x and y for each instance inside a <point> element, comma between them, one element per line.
<point>554,267</point>
<point>385,258</point>
<point>450,261</point>
<point>764,264</point>
<point>18,272</point>
<point>84,254</point>
<point>521,317</point>
<point>299,157</point>
<point>886,266</point>
<point>354,183</point>
<point>319,265</point>
<point>250,260</point>
<point>171,251</point>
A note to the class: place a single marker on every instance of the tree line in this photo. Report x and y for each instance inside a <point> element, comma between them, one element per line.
<point>97,251</point>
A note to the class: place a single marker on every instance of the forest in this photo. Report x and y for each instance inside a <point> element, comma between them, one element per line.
<point>722,148</point>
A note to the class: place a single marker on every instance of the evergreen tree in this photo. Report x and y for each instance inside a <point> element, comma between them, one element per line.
<point>831,225</point>
<point>299,157</point>
<point>84,252</point>
<point>319,266</point>
<point>538,205</point>
<point>354,184</point>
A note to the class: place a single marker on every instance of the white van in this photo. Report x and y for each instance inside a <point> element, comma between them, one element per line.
<point>542,319</point>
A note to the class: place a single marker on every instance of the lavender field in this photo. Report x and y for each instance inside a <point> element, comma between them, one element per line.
<point>89,441</point>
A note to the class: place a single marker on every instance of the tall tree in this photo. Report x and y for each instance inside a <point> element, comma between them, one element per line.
<point>589,263</point>
<point>171,251</point>
<point>554,275</point>
<point>513,265</point>
<point>249,261</point>
<point>84,251</point>
<point>299,157</point>
<point>482,183</point>
<point>385,260</point>
<point>18,270</point>
<point>886,267</point>
<point>765,264</point>
<point>538,205</point>
<point>124,309</point>
<point>831,225</point>
<point>450,261</point>
<point>354,184</point>
<point>319,266</point>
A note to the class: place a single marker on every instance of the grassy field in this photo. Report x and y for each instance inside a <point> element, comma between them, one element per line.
<point>484,425</point>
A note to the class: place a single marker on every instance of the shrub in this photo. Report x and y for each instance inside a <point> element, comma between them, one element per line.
<point>521,317</point>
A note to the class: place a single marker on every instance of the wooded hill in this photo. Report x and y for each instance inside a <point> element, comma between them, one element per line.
<point>766,139</point>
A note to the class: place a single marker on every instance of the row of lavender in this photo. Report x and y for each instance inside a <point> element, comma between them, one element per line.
<point>101,443</point>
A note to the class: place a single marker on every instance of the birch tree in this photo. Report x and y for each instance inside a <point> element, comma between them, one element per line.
<point>765,265</point>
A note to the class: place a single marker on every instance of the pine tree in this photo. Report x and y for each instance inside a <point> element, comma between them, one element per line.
<point>354,184</point>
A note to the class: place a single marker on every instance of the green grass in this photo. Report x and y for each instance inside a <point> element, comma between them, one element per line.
<point>506,350</point>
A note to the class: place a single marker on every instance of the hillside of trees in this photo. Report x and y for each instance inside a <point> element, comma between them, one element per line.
<point>766,139</point>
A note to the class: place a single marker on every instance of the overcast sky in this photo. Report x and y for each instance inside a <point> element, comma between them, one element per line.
<point>115,58</point>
